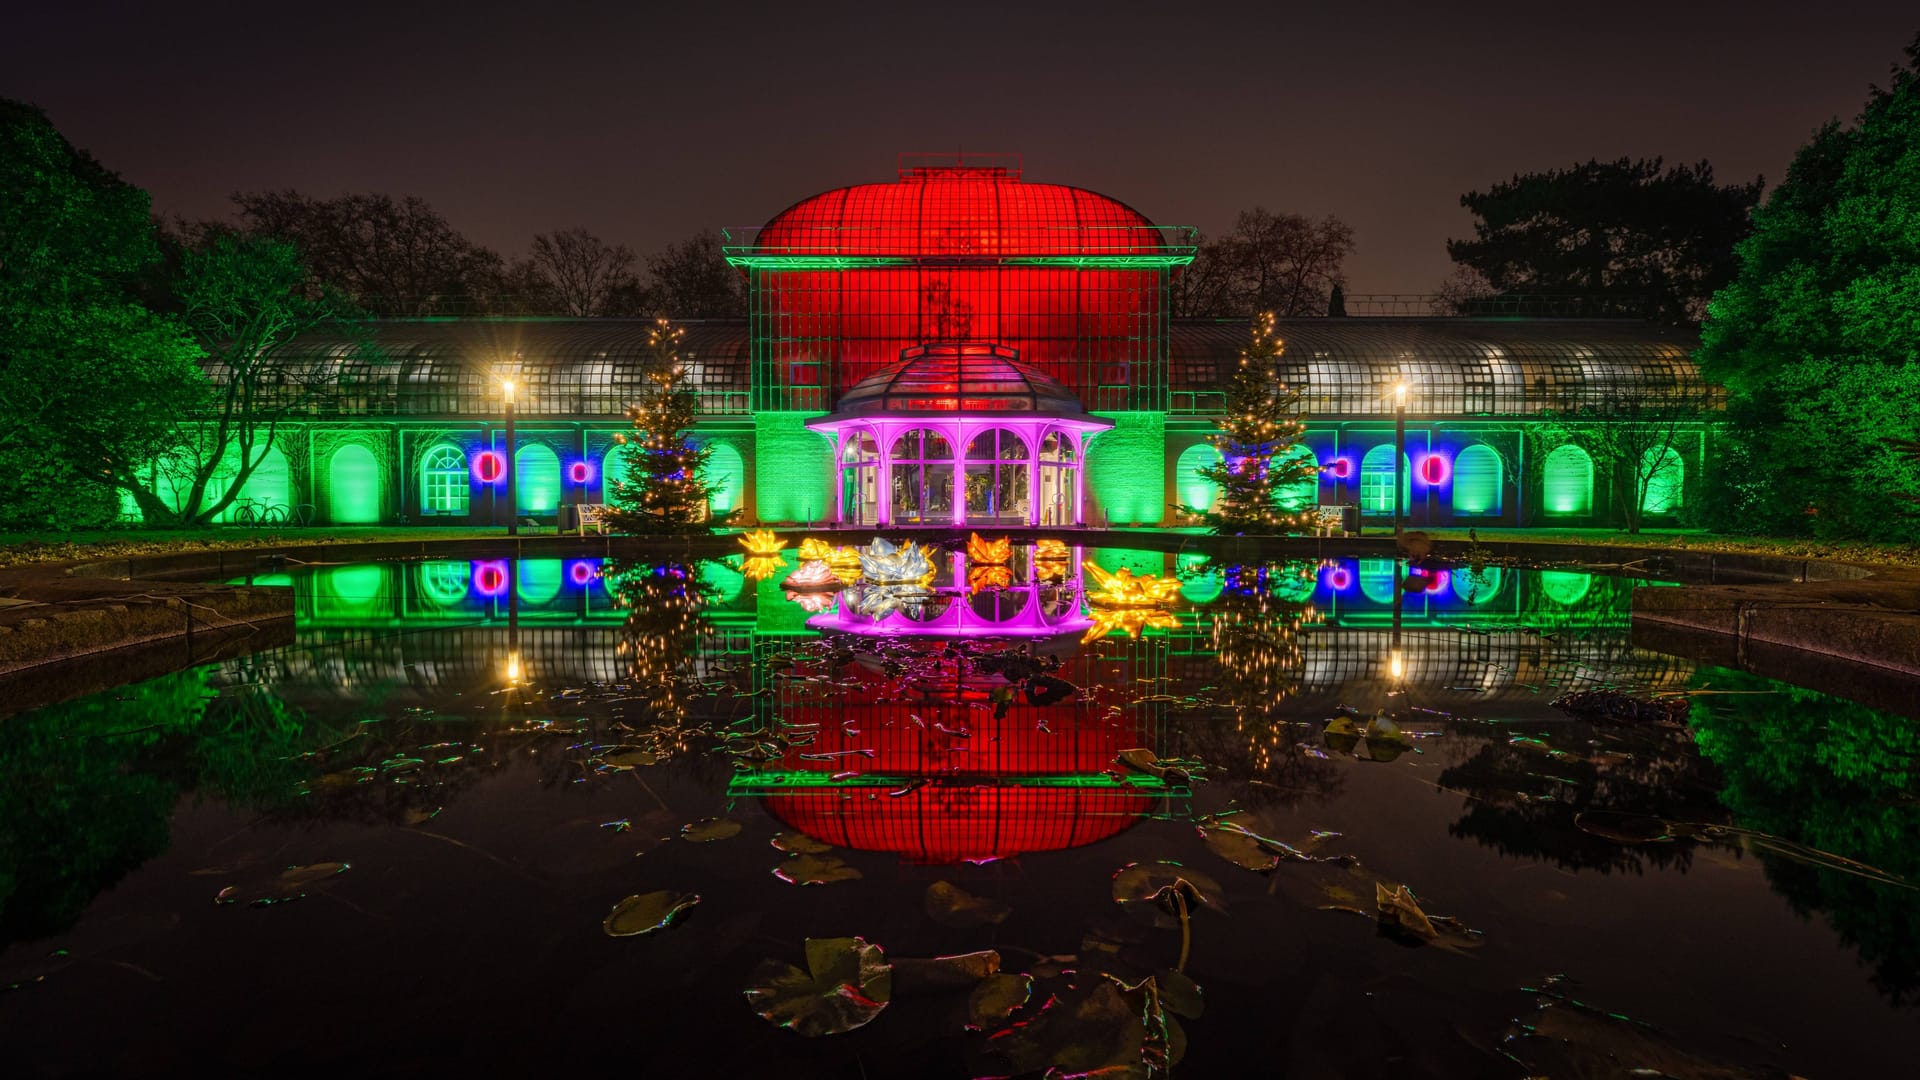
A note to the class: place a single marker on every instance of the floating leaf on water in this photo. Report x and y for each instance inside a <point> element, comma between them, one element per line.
<point>398,764</point>
<point>950,905</point>
<point>1104,1028</point>
<point>996,998</point>
<point>1624,828</point>
<point>1569,1038</point>
<point>925,976</point>
<point>1240,848</point>
<point>1180,995</point>
<point>1142,760</point>
<point>1385,740</point>
<point>709,829</point>
<point>798,843</point>
<point>647,912</point>
<point>1400,911</point>
<point>289,884</point>
<point>420,815</point>
<point>846,984</point>
<point>1159,882</point>
<point>627,757</point>
<point>1341,734</point>
<point>815,869</point>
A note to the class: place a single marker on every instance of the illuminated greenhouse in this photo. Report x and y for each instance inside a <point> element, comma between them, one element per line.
<point>961,346</point>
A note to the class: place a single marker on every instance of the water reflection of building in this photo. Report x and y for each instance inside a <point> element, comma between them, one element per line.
<point>1504,634</point>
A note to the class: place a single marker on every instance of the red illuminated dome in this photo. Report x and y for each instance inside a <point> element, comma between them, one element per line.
<point>961,250</point>
<point>959,211</point>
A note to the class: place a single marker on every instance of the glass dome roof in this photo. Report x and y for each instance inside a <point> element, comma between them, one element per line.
<point>953,377</point>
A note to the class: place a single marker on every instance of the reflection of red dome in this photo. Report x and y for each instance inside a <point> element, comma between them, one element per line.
<point>954,823</point>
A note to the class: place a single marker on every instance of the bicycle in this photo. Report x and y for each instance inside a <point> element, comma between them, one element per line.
<point>259,512</point>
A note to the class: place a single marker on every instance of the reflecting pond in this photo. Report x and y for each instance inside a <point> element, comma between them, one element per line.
<point>905,811</point>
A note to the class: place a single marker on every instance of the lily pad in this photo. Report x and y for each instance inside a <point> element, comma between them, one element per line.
<point>627,757</point>
<point>1180,995</point>
<point>288,885</point>
<point>996,998</point>
<point>799,843</point>
<point>1240,848</point>
<point>950,905</point>
<point>1624,828</point>
<point>1152,886</point>
<point>1400,911</point>
<point>1105,1028</point>
<point>1341,734</point>
<point>1140,759</point>
<point>647,912</point>
<point>709,830</point>
<point>925,976</point>
<point>847,983</point>
<point>812,869</point>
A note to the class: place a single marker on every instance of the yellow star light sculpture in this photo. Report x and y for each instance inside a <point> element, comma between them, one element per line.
<point>984,552</point>
<point>1122,588</point>
<point>761,542</point>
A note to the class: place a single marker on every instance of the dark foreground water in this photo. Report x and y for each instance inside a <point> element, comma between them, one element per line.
<point>398,846</point>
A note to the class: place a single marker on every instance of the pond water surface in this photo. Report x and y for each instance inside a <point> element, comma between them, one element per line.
<point>1325,807</point>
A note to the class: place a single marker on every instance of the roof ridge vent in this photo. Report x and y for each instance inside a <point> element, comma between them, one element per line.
<point>958,165</point>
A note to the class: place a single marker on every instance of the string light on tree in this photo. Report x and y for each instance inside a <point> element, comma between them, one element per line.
<point>1258,431</point>
<point>665,489</point>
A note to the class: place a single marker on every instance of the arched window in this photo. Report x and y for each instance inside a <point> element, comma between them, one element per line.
<point>536,479</point>
<point>443,481</point>
<point>1379,578</point>
<point>1193,489</point>
<point>269,485</point>
<point>1567,484</point>
<point>997,478</point>
<point>1376,481</point>
<point>1565,587</point>
<point>921,484</point>
<point>353,592</point>
<point>1665,476</point>
<point>1059,479</point>
<point>1477,587</point>
<point>727,475</point>
<point>353,486</point>
<point>537,580</point>
<point>1476,481</point>
<point>1302,494</point>
<point>859,482</point>
<point>613,468</point>
<point>444,583</point>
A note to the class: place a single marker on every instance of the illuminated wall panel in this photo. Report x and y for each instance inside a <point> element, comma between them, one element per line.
<point>1376,481</point>
<point>792,468</point>
<point>1666,476</point>
<point>270,482</point>
<point>353,486</point>
<point>1126,469</point>
<point>1189,487</point>
<point>1567,485</point>
<point>1476,481</point>
<point>536,479</point>
<point>727,472</point>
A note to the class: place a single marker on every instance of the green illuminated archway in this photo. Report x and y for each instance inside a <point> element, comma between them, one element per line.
<point>1376,481</point>
<point>1379,579</point>
<point>1565,587</point>
<point>1198,586</point>
<point>444,583</point>
<point>1302,494</point>
<point>1567,485</point>
<point>536,479</point>
<point>1189,486</point>
<point>1478,587</point>
<point>537,580</point>
<point>353,486</point>
<point>351,591</point>
<point>613,466</point>
<point>1476,481</point>
<point>1666,475</point>
<point>727,472</point>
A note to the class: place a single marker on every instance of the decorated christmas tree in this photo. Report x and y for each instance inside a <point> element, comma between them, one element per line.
<point>665,489</point>
<point>1257,435</point>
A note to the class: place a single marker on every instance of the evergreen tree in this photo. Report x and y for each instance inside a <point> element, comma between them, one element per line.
<point>1258,433</point>
<point>1817,339</point>
<point>665,489</point>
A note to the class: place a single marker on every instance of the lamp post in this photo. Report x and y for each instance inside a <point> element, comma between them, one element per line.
<point>1399,458</point>
<point>513,507</point>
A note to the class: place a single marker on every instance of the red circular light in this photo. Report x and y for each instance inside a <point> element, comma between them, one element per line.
<point>490,579</point>
<point>1341,468</point>
<point>582,573</point>
<point>1433,469</point>
<point>580,472</point>
<point>489,467</point>
<point>1339,579</point>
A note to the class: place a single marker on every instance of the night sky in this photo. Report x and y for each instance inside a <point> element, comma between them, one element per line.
<point>651,122</point>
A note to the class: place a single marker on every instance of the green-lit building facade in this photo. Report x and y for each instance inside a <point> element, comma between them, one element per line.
<point>1083,402</point>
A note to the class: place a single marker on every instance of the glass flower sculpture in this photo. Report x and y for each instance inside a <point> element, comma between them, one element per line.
<point>761,542</point>
<point>760,567</point>
<point>883,564</point>
<point>984,552</point>
<point>1122,588</point>
<point>981,578</point>
<point>814,576</point>
<point>811,602</point>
